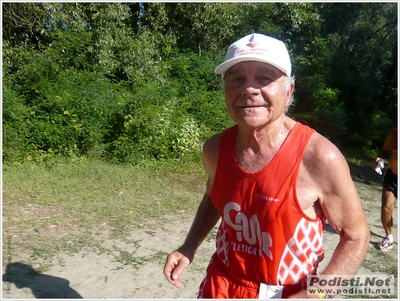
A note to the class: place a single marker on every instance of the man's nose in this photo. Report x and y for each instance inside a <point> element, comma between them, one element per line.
<point>250,88</point>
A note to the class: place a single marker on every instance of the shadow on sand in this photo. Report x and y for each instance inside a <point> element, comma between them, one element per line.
<point>42,286</point>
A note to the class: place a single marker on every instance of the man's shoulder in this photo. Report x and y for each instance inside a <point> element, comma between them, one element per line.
<point>210,153</point>
<point>212,143</point>
<point>324,165</point>
<point>322,151</point>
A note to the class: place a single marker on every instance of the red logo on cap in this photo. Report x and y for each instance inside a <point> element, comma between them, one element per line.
<point>252,42</point>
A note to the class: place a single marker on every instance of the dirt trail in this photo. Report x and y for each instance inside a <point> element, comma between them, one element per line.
<point>132,268</point>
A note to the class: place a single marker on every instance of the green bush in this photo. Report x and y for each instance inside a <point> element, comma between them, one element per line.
<point>77,113</point>
<point>155,126</point>
<point>15,117</point>
<point>81,113</point>
<point>200,90</point>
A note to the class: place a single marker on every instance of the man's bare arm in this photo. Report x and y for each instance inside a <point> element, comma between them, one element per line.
<point>342,207</point>
<point>206,218</point>
<point>339,200</point>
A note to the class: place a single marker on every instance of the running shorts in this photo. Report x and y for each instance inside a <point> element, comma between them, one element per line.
<point>390,181</point>
<point>220,284</point>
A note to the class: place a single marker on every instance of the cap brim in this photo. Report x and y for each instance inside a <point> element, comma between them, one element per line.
<point>222,68</point>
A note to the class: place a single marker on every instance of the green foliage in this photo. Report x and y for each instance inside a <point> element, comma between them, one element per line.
<point>323,111</point>
<point>23,23</point>
<point>363,63</point>
<point>154,123</point>
<point>129,82</point>
<point>15,115</point>
<point>197,27</point>
<point>200,90</point>
<point>162,122</point>
<point>82,106</point>
<point>73,116</point>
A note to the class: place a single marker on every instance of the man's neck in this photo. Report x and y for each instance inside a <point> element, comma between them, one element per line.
<point>255,148</point>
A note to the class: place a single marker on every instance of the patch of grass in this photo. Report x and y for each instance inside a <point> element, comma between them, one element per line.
<point>131,258</point>
<point>97,192</point>
<point>128,258</point>
<point>45,207</point>
<point>159,256</point>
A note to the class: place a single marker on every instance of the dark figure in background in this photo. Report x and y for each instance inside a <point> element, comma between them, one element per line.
<point>389,191</point>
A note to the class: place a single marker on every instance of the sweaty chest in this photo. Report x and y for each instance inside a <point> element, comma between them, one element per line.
<point>253,162</point>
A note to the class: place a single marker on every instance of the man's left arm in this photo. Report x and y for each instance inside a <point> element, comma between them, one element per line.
<point>342,207</point>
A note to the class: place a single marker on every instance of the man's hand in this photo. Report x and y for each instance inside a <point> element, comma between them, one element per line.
<point>175,265</point>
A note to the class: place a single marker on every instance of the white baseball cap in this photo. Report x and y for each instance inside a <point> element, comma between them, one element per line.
<point>257,47</point>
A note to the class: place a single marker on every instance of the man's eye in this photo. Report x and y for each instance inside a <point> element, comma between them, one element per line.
<point>265,78</point>
<point>236,81</point>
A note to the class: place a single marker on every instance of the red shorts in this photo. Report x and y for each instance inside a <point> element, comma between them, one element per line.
<point>218,283</point>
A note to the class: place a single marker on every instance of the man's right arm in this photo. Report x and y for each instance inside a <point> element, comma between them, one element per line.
<point>206,218</point>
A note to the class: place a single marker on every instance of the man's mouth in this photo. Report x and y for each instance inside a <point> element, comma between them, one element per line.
<point>251,107</point>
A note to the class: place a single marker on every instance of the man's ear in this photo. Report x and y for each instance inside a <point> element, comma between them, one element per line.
<point>289,94</point>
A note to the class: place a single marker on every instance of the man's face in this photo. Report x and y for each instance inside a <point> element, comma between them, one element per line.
<point>255,93</point>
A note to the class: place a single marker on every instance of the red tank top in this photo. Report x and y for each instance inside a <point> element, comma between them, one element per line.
<point>264,235</point>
